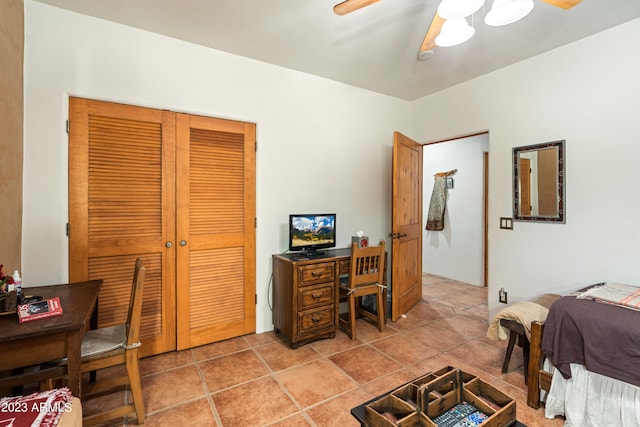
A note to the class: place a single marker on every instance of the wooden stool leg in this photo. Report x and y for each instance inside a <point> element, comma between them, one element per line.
<point>507,357</point>
<point>525,355</point>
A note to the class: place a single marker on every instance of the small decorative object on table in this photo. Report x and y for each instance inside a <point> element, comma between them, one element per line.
<point>360,239</point>
<point>8,294</point>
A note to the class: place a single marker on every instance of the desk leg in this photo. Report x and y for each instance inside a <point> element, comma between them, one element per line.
<point>74,351</point>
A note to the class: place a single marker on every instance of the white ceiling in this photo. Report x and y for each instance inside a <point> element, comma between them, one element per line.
<point>374,48</point>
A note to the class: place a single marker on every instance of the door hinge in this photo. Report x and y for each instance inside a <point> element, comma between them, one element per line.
<point>68,229</point>
<point>255,222</point>
<point>256,299</point>
<point>67,127</point>
<point>256,145</point>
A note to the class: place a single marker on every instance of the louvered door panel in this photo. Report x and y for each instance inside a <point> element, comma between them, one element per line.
<point>121,206</point>
<point>216,222</point>
<point>125,179</point>
<point>227,300</point>
<point>179,191</point>
<point>117,274</point>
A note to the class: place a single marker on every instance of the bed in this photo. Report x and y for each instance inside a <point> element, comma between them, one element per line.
<point>585,358</point>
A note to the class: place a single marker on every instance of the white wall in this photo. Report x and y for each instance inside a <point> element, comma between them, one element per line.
<point>347,131</point>
<point>587,93</point>
<point>457,251</point>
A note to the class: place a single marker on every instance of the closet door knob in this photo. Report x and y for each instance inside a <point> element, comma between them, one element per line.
<point>169,244</point>
<point>183,242</point>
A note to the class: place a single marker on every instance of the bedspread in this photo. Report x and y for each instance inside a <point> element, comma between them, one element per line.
<point>605,339</point>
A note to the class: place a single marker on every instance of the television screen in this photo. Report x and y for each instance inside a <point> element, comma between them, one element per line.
<point>309,232</point>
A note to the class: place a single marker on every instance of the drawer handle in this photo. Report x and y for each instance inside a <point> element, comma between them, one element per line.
<point>316,296</point>
<point>316,319</point>
<point>316,274</point>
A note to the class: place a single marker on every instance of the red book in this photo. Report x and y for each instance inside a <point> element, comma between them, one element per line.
<point>39,310</point>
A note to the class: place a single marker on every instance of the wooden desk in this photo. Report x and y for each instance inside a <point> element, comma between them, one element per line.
<point>43,340</point>
<point>306,302</point>
<point>305,294</point>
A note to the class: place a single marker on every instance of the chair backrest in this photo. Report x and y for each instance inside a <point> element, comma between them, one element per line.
<point>367,265</point>
<point>135,304</point>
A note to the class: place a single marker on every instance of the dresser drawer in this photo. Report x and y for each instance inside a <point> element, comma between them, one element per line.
<point>310,296</point>
<point>315,319</point>
<point>316,273</point>
<point>343,266</point>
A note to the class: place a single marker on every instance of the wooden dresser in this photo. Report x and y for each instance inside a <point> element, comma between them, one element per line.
<point>305,294</point>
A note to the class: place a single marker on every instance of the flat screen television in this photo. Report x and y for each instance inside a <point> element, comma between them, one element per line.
<point>310,232</point>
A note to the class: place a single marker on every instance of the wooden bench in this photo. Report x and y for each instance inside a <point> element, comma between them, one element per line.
<point>517,333</point>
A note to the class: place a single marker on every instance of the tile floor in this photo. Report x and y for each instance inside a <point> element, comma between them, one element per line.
<point>257,380</point>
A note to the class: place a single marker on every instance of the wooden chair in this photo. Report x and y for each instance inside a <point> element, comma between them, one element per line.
<point>111,346</point>
<point>366,277</point>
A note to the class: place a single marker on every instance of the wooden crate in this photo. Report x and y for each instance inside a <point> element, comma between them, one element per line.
<point>418,403</point>
<point>500,408</point>
<point>390,411</point>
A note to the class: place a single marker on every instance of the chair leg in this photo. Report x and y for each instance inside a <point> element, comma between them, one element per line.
<point>352,316</point>
<point>133,371</point>
<point>380,309</point>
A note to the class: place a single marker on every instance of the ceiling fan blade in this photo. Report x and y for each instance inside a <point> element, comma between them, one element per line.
<point>348,6</point>
<point>429,41</point>
<point>564,4</point>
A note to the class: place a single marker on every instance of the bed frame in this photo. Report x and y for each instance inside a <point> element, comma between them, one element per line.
<point>538,378</point>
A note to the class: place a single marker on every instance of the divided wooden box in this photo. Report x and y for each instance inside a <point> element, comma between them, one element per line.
<point>8,302</point>
<point>416,404</point>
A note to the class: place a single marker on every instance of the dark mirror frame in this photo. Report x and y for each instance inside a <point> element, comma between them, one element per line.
<point>560,179</point>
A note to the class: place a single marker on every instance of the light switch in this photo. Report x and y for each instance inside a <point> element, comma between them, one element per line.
<point>506,223</point>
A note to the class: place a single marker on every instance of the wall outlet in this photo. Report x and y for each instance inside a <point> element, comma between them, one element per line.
<point>502,296</point>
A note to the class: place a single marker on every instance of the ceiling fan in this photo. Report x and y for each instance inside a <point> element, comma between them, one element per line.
<point>435,28</point>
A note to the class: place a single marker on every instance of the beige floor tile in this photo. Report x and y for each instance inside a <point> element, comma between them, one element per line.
<point>439,338</point>
<point>279,355</point>
<point>336,412</point>
<point>315,382</point>
<point>253,404</point>
<point>198,413</point>
<point>365,363</point>
<point>162,362</point>
<point>171,387</point>
<point>481,355</point>
<point>226,371</point>
<point>405,349</point>
<point>255,340</point>
<point>219,348</point>
<point>296,420</point>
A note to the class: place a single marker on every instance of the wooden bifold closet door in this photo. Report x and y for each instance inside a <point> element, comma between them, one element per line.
<point>179,191</point>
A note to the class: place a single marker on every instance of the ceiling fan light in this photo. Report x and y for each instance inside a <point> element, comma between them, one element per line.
<point>505,12</point>
<point>454,32</point>
<point>453,9</point>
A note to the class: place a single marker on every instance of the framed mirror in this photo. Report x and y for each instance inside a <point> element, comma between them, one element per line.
<point>538,182</point>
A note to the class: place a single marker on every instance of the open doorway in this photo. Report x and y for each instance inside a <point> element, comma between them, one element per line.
<point>459,250</point>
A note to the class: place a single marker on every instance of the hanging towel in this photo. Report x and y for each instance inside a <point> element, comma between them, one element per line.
<point>435,218</point>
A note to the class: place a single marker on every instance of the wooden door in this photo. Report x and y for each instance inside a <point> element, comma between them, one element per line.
<point>406,255</point>
<point>215,229</point>
<point>126,165</point>
<point>121,206</point>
